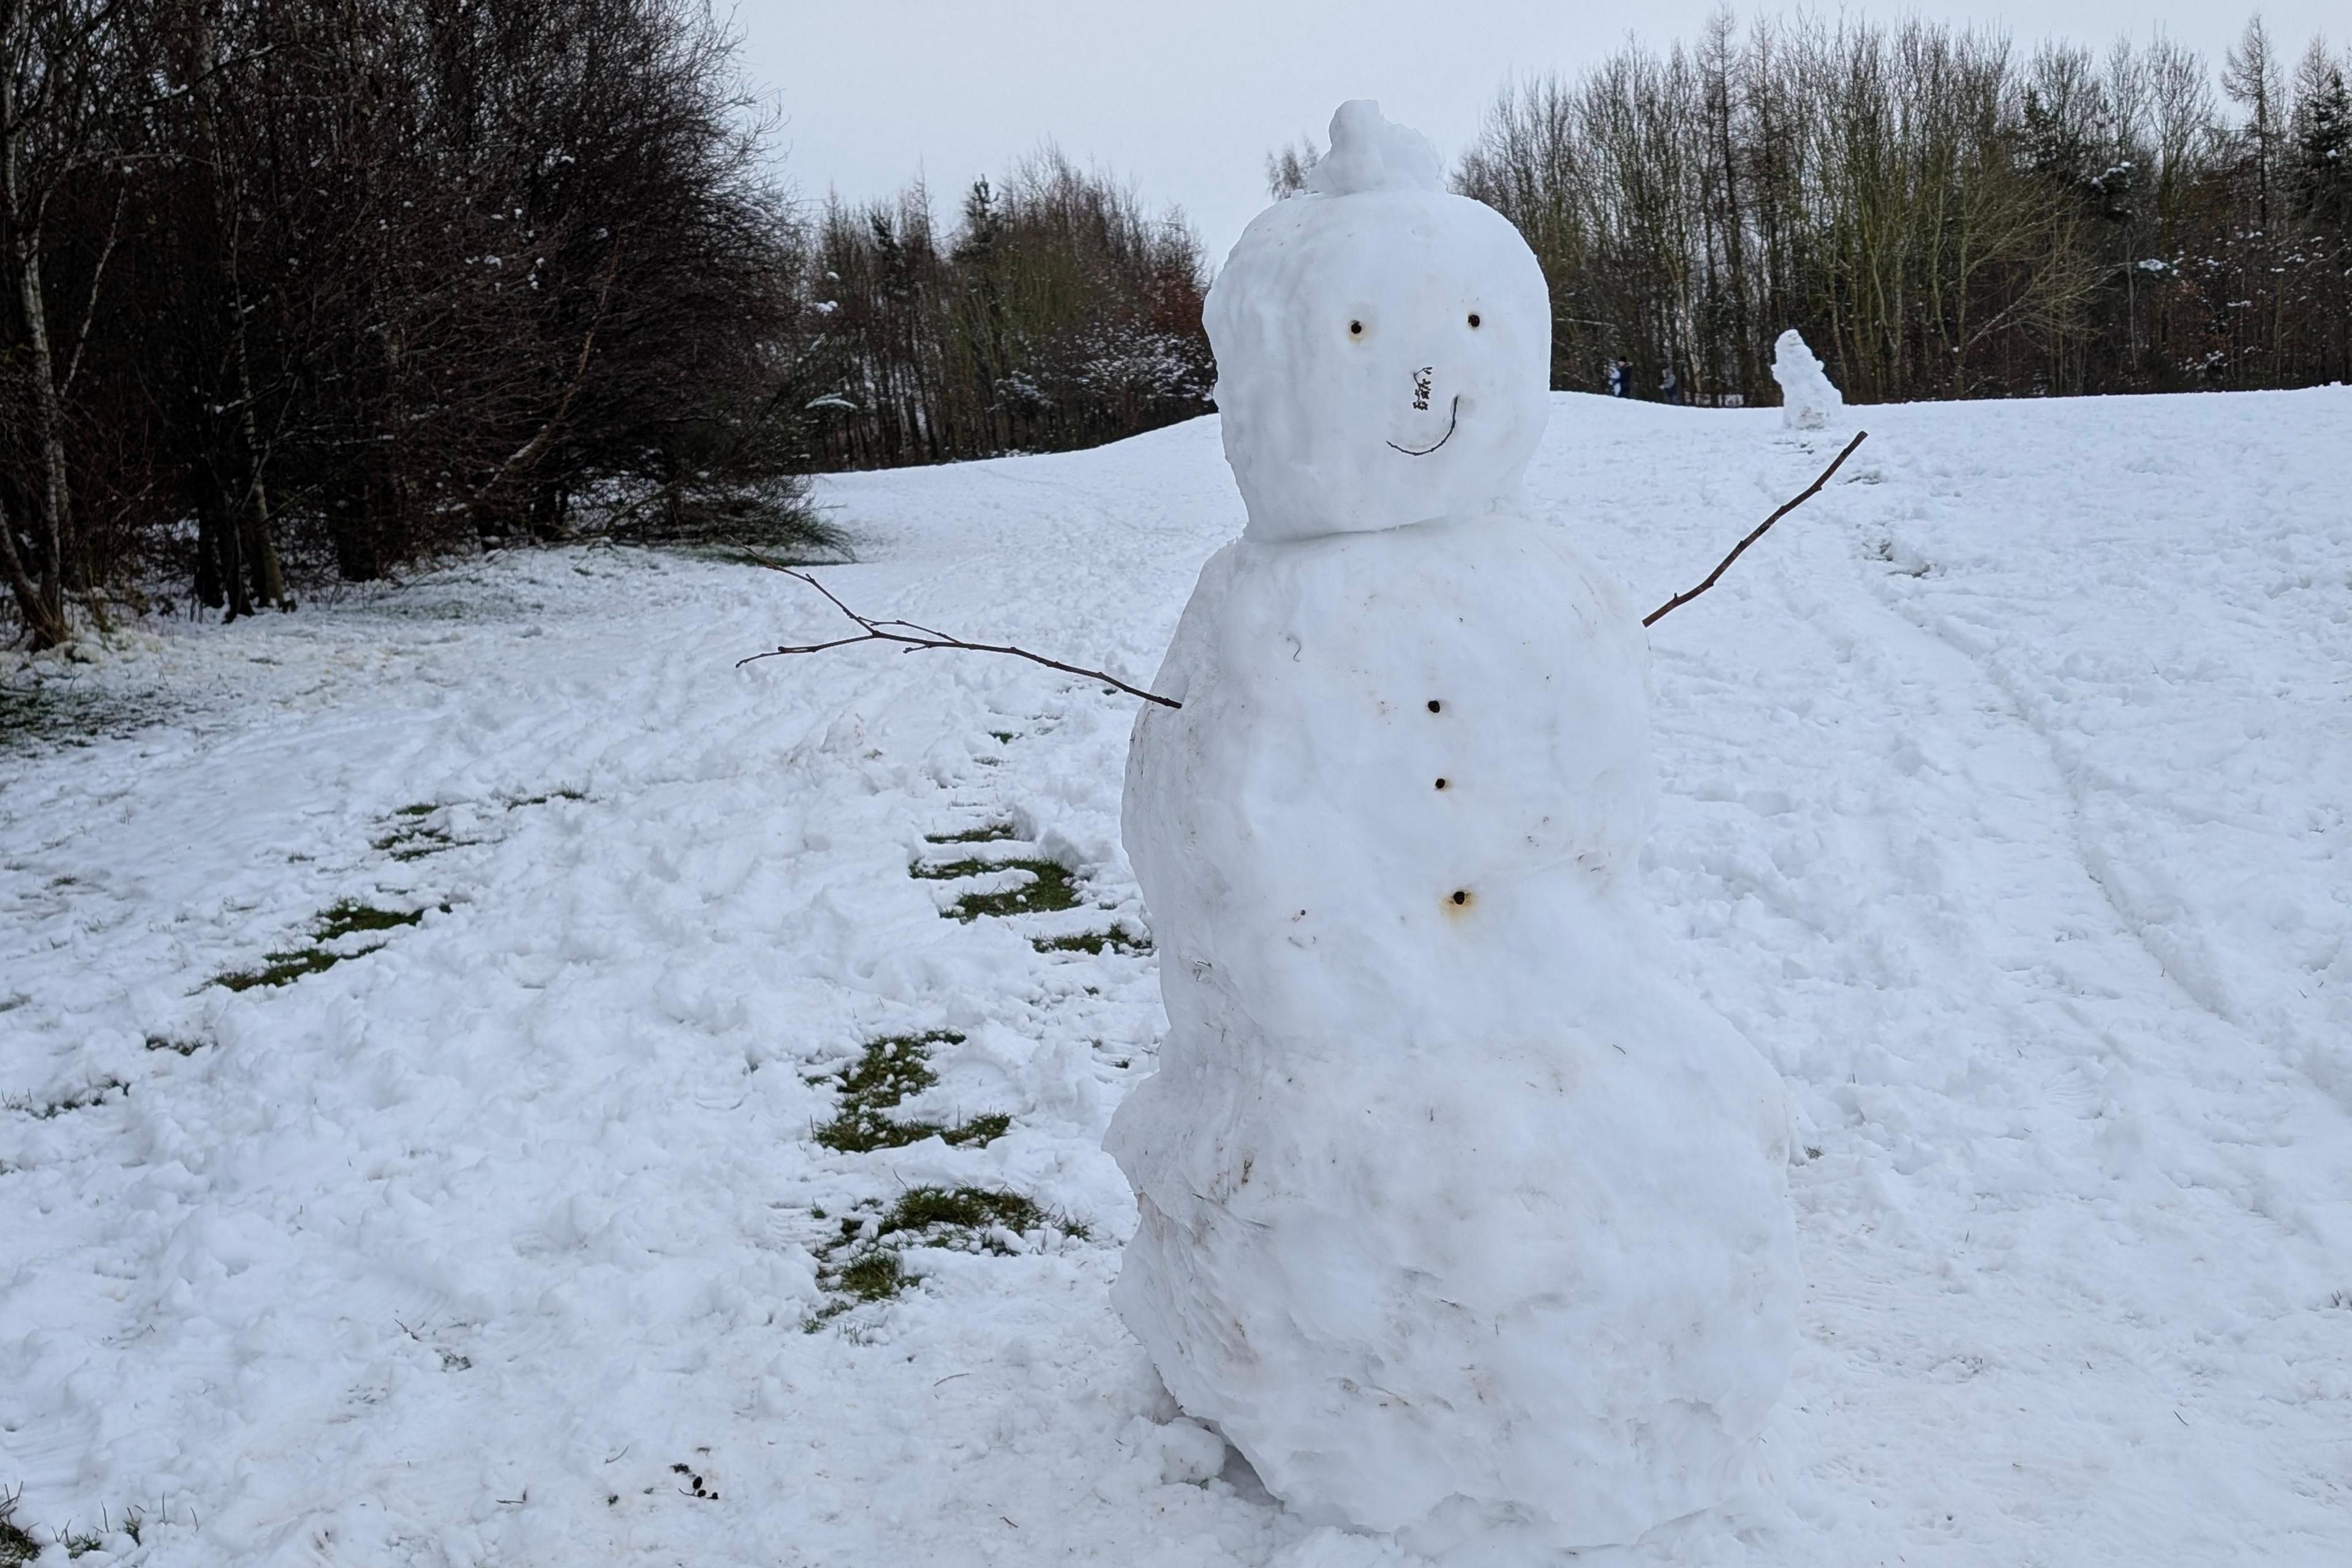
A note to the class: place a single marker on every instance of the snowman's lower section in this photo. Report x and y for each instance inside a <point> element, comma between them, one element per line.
<point>1457,1214</point>
<point>1547,1287</point>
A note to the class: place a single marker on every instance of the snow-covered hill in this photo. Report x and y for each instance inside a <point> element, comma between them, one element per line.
<point>2004,807</point>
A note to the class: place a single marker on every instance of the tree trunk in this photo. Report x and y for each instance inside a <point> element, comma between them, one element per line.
<point>209,592</point>
<point>47,627</point>
<point>360,521</point>
<point>268,579</point>
<point>222,579</point>
<point>251,520</point>
<point>46,616</point>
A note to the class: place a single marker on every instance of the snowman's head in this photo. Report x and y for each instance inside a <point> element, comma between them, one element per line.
<point>1384,348</point>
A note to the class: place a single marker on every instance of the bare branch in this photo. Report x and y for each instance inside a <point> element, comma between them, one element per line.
<point>923,638</point>
<point>1679,600</point>
<point>915,637</point>
<point>96,282</point>
<point>531,449</point>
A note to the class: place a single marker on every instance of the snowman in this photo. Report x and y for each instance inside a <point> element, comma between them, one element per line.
<point>1809,399</point>
<point>1460,1217</point>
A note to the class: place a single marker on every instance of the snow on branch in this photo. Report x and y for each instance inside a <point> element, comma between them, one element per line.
<point>1810,490</point>
<point>915,638</point>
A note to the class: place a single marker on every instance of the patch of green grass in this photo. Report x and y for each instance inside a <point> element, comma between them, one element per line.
<point>1051,885</point>
<point>892,1068</point>
<point>347,918</point>
<point>889,1071</point>
<point>350,917</point>
<point>863,1135</point>
<point>886,1073</point>
<point>65,714</point>
<point>993,832</point>
<point>81,1100</point>
<point>82,1543</point>
<point>874,1276</point>
<point>1001,737</point>
<point>981,1130</point>
<point>864,1266</point>
<point>411,838</point>
<point>1118,939</point>
<point>929,1209</point>
<point>948,871</point>
<point>281,969</point>
<point>17,1543</point>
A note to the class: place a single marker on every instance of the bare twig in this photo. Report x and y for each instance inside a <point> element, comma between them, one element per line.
<point>915,638</point>
<point>1679,600</point>
<point>97,278</point>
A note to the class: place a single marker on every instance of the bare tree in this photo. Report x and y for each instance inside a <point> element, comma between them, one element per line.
<point>1943,215</point>
<point>2250,76</point>
<point>1287,166</point>
<point>1058,313</point>
<point>64,68</point>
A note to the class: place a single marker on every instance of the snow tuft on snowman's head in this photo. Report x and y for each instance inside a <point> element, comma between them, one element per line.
<point>1384,348</point>
<point>1370,153</point>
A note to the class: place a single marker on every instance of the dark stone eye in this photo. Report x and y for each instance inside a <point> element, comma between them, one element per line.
<point>1355,329</point>
<point>1473,318</point>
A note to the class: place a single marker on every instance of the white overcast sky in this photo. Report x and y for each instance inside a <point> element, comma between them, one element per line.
<point>1184,99</point>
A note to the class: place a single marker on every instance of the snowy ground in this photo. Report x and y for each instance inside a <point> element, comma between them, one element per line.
<point>2004,806</point>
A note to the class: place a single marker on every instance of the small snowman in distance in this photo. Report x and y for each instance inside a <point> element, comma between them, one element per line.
<point>1809,400</point>
<point>1460,1217</point>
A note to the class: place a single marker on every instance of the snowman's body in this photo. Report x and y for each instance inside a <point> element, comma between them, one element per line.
<point>1456,1211</point>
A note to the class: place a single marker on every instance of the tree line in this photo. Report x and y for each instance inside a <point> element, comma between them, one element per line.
<point>303,288</point>
<point>294,290</point>
<point>1057,314</point>
<point>1940,213</point>
<point>298,290</point>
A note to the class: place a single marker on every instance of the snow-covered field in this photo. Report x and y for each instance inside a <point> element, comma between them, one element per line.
<point>2004,806</point>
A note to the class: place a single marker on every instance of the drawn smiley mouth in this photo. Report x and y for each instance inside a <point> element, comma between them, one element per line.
<point>1453,418</point>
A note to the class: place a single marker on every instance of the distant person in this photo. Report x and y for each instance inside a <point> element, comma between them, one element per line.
<point>1668,387</point>
<point>1621,378</point>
